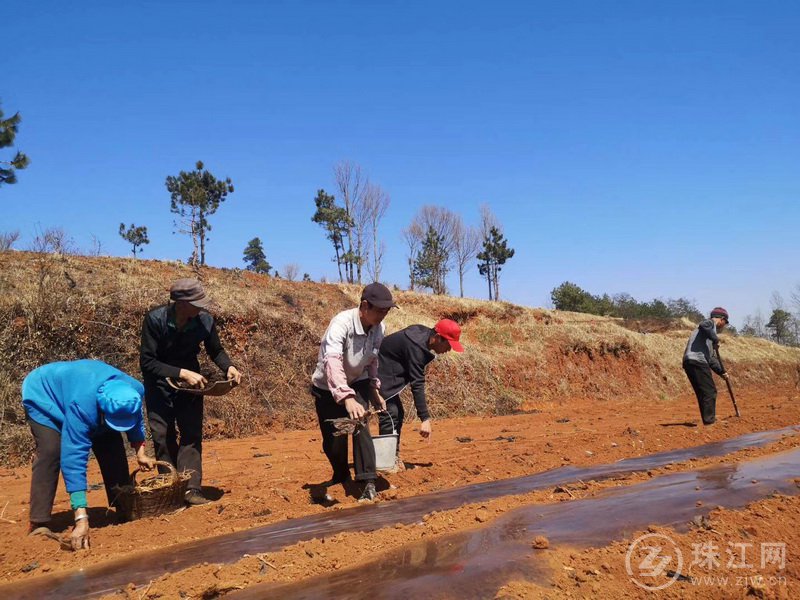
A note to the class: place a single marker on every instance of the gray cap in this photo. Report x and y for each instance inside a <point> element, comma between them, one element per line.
<point>191,291</point>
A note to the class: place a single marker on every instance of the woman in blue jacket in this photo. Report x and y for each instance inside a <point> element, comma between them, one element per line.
<point>73,407</point>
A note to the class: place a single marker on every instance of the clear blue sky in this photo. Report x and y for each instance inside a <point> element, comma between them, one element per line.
<point>643,147</point>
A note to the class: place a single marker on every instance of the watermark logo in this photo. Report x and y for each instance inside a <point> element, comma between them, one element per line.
<point>654,562</point>
<point>650,558</point>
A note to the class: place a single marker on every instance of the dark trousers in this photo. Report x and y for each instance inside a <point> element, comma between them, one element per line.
<point>395,410</point>
<point>335,447</point>
<point>705,390</point>
<point>108,448</point>
<point>170,414</point>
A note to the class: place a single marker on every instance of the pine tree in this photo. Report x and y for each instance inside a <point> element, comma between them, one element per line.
<point>255,258</point>
<point>196,195</point>
<point>780,324</point>
<point>430,266</point>
<point>569,296</point>
<point>335,221</point>
<point>8,131</point>
<point>494,255</point>
<point>136,236</point>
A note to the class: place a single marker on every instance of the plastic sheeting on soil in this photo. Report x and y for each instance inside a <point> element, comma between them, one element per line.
<point>475,564</point>
<point>105,578</point>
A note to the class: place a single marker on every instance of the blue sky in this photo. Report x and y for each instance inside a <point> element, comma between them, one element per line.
<point>639,147</point>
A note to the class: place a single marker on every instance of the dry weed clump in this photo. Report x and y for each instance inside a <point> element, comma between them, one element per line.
<point>475,386</point>
<point>16,441</point>
<point>658,325</point>
<point>277,357</point>
<point>615,348</point>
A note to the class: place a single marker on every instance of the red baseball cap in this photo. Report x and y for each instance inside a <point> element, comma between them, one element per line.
<point>450,331</point>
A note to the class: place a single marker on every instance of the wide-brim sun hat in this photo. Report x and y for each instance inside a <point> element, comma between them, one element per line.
<point>191,291</point>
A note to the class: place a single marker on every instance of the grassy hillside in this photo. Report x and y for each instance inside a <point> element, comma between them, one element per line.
<point>66,307</point>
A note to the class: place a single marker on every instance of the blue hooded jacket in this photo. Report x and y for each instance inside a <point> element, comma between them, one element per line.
<point>64,396</point>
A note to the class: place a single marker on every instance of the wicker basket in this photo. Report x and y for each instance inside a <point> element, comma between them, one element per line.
<point>137,500</point>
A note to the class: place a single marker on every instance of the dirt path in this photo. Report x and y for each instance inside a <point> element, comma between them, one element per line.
<point>261,481</point>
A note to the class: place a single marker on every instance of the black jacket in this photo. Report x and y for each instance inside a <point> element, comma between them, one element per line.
<point>701,348</point>
<point>165,350</point>
<point>402,361</point>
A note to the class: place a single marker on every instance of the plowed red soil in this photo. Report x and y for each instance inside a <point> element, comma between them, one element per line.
<point>722,559</point>
<point>261,480</point>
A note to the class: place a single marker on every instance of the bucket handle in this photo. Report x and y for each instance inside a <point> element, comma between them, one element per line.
<point>394,429</point>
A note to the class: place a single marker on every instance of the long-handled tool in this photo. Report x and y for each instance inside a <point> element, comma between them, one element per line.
<point>728,381</point>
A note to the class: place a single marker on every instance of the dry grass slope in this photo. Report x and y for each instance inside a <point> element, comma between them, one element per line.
<point>58,307</point>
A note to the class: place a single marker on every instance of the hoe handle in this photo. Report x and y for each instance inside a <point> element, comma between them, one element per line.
<point>728,381</point>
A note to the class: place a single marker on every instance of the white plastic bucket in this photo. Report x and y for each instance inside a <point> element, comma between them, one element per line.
<point>385,449</point>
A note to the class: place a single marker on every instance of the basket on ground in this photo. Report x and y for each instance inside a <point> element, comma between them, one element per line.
<point>153,496</point>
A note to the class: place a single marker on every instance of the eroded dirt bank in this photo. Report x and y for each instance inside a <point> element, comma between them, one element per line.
<point>517,358</point>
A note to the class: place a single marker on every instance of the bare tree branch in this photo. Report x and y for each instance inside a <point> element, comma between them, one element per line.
<point>291,271</point>
<point>776,301</point>
<point>442,222</point>
<point>796,298</point>
<point>351,182</point>
<point>467,241</point>
<point>53,240</point>
<point>488,220</point>
<point>413,236</point>
<point>375,204</point>
<point>7,240</point>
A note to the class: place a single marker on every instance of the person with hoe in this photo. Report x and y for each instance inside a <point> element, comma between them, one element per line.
<point>345,382</point>
<point>171,338</point>
<point>73,407</point>
<point>700,358</point>
<point>401,362</point>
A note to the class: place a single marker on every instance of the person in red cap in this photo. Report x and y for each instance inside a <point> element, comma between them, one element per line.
<point>401,362</point>
<point>171,338</point>
<point>700,358</point>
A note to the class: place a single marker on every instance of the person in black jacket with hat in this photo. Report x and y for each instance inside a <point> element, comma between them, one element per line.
<point>401,362</point>
<point>700,358</point>
<point>171,338</point>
